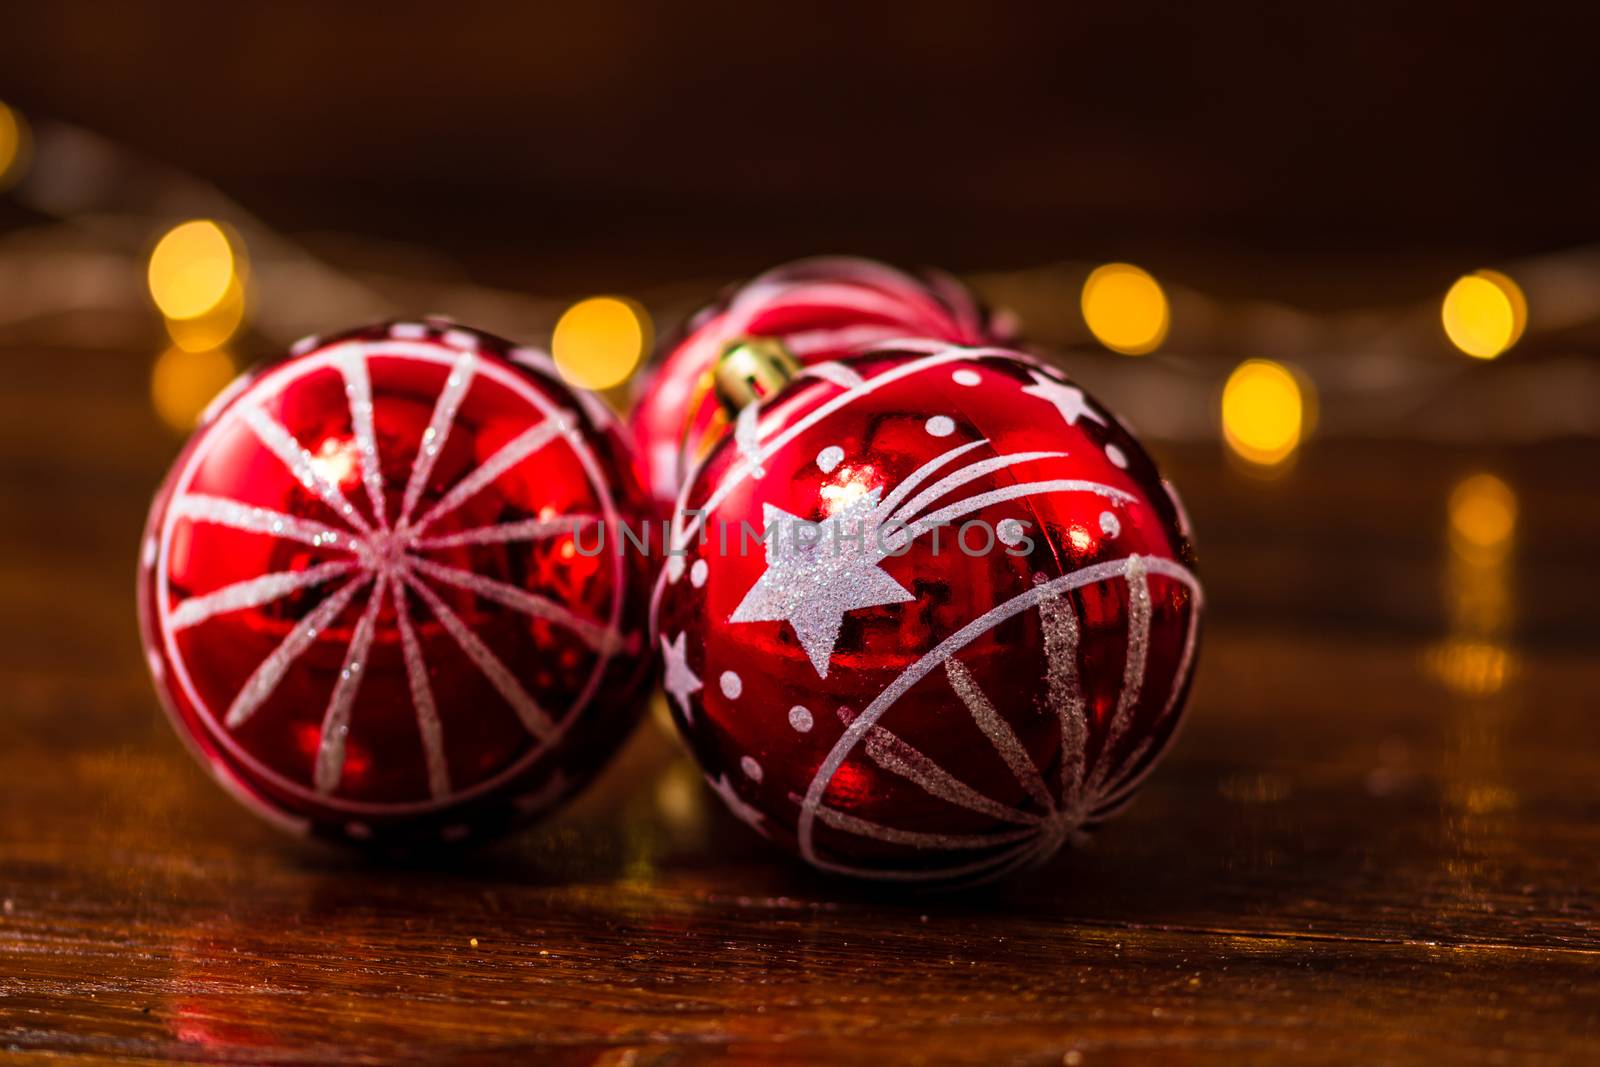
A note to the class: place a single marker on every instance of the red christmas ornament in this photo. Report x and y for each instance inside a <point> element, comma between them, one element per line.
<point>370,592</point>
<point>821,309</point>
<point>980,647</point>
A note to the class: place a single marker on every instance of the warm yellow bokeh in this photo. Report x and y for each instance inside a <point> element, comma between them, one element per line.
<point>191,269</point>
<point>214,328</point>
<point>1470,667</point>
<point>14,145</point>
<point>599,342</point>
<point>183,383</point>
<point>1483,518</point>
<point>1264,411</point>
<point>1125,309</point>
<point>1484,313</point>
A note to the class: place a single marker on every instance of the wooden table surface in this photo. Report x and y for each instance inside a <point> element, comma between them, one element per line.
<point>1378,839</point>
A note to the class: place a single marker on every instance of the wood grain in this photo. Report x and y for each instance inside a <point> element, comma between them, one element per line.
<point>1349,857</point>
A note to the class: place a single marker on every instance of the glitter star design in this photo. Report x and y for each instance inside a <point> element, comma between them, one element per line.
<point>813,583</point>
<point>680,680</point>
<point>1068,400</point>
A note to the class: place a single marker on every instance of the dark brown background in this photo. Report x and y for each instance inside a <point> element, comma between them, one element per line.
<point>620,139</point>
<point>1359,850</point>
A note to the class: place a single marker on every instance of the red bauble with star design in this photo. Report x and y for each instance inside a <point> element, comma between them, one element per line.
<point>936,614</point>
<point>372,593</point>
<point>821,309</point>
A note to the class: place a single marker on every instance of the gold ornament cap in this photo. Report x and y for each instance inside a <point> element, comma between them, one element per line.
<point>751,369</point>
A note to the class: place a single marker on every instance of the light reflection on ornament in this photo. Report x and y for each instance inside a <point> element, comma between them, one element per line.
<point>191,269</point>
<point>182,383</point>
<point>599,342</point>
<point>849,484</point>
<point>1484,313</point>
<point>337,460</point>
<point>1125,308</point>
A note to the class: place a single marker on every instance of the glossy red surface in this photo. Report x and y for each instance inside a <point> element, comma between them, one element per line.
<point>419,648</point>
<point>822,309</point>
<point>934,711</point>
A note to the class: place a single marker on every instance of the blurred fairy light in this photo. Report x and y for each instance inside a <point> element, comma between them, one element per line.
<point>182,383</point>
<point>1475,668</point>
<point>1484,313</point>
<point>1483,519</point>
<point>1265,412</point>
<point>599,342</point>
<point>15,142</point>
<point>1125,309</point>
<point>213,328</point>
<point>192,269</point>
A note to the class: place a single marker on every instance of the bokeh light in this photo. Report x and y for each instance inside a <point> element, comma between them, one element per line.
<point>1125,309</point>
<point>1484,313</point>
<point>1469,667</point>
<point>182,383</point>
<point>14,146</point>
<point>1483,518</point>
<point>1264,412</point>
<point>214,328</point>
<point>599,342</point>
<point>191,269</point>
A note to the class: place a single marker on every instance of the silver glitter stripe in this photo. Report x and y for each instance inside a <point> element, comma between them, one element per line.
<point>1132,668</point>
<point>1064,693</point>
<point>422,700</point>
<point>836,373</point>
<point>251,519</point>
<point>747,438</point>
<point>851,824</point>
<point>526,530</point>
<point>336,720</point>
<point>927,663</point>
<point>438,431</point>
<point>271,670</point>
<point>301,464</point>
<point>592,634</point>
<point>909,483</point>
<point>515,451</point>
<point>254,591</point>
<point>998,732</point>
<point>352,364</point>
<point>970,472</point>
<point>980,501</point>
<point>1127,782</point>
<point>538,723</point>
<point>890,752</point>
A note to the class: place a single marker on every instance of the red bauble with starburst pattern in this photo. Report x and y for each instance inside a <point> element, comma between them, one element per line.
<point>821,309</point>
<point>373,594</point>
<point>936,613</point>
